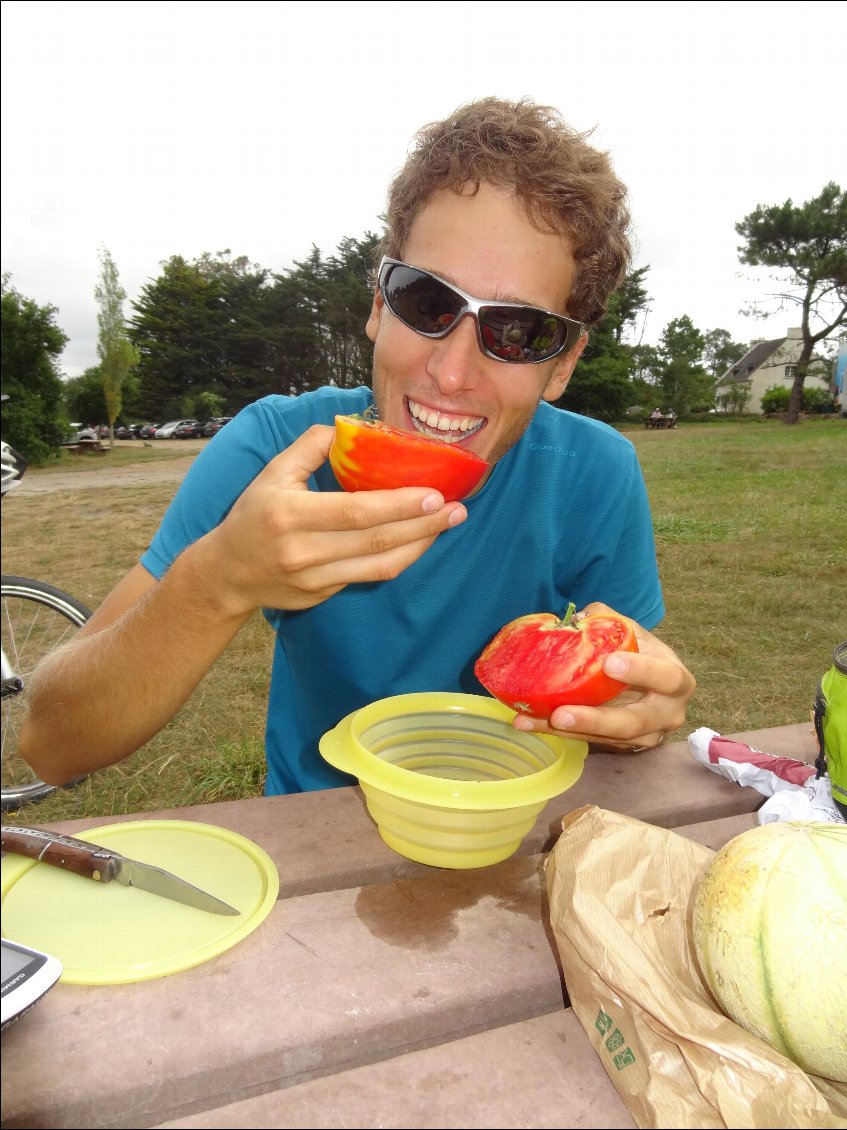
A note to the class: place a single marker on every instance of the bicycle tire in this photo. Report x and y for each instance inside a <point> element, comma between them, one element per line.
<point>36,619</point>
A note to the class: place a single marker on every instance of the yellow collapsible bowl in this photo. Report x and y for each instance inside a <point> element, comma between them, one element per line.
<point>447,779</point>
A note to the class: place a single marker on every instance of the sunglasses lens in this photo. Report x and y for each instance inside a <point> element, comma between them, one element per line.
<point>422,302</point>
<point>521,334</point>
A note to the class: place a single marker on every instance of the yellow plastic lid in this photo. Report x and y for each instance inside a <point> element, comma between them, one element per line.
<point>111,934</point>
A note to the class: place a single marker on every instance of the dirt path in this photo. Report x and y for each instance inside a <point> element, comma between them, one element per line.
<point>166,471</point>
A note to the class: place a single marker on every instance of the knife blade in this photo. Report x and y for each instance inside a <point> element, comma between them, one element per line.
<point>92,861</point>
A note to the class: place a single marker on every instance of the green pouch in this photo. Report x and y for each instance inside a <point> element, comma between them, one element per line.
<point>830,715</point>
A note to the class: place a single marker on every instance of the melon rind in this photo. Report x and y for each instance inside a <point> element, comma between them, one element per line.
<point>770,934</point>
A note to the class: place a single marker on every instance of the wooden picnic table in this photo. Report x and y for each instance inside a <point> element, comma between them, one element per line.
<point>86,447</point>
<point>660,422</point>
<point>378,992</point>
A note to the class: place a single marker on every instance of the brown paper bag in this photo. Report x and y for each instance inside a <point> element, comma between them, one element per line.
<point>621,895</point>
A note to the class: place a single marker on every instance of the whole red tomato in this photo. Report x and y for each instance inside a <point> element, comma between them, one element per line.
<point>539,662</point>
<point>370,455</point>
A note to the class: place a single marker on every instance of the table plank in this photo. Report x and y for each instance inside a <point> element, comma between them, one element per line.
<point>330,982</point>
<point>537,1073</point>
<point>326,840</point>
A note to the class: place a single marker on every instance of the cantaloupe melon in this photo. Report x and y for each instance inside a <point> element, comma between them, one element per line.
<point>770,933</point>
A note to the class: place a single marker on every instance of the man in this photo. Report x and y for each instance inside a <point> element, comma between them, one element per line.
<point>380,593</point>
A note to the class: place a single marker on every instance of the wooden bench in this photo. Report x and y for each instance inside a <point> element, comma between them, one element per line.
<point>660,422</point>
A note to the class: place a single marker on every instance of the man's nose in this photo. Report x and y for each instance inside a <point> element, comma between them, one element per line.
<point>456,360</point>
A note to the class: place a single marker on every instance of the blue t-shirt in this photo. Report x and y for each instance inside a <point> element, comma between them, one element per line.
<point>563,517</point>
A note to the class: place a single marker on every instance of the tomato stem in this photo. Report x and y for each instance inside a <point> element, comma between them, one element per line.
<point>565,620</point>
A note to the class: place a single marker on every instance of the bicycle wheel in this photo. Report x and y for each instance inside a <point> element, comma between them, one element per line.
<point>36,618</point>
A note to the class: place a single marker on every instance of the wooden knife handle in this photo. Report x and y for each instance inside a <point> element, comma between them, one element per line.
<point>67,852</point>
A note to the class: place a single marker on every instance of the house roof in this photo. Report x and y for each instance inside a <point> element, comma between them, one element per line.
<point>756,356</point>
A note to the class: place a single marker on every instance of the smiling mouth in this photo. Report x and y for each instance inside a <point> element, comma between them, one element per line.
<point>443,425</point>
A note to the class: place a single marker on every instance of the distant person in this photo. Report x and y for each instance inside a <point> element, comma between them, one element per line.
<point>385,592</point>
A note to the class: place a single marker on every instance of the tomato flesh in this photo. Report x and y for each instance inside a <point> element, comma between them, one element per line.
<point>370,455</point>
<point>539,662</point>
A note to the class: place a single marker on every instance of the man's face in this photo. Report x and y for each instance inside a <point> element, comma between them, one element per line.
<point>448,388</point>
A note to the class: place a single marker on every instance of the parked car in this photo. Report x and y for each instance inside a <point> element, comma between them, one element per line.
<point>131,431</point>
<point>189,429</point>
<point>168,430</point>
<point>147,431</point>
<point>215,424</point>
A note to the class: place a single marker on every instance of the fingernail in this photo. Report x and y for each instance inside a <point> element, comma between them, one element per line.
<point>458,515</point>
<point>615,665</point>
<point>521,723</point>
<point>432,503</point>
<point>564,721</point>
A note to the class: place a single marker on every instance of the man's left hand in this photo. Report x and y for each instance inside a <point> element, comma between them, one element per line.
<point>637,719</point>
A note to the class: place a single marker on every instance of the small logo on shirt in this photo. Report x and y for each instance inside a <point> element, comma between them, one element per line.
<point>551,447</point>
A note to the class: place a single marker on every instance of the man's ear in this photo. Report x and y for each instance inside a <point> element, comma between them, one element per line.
<point>564,368</point>
<point>372,324</point>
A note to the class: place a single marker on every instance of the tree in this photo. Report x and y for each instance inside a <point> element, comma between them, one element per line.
<point>720,352</point>
<point>684,383</point>
<point>205,405</point>
<point>239,354</point>
<point>809,242</point>
<point>349,281</point>
<point>326,303</point>
<point>735,397</point>
<point>176,327</point>
<point>116,352</point>
<point>601,384</point>
<point>34,421</point>
<point>206,326</point>
<point>227,327</point>
<point>84,397</point>
<point>629,303</point>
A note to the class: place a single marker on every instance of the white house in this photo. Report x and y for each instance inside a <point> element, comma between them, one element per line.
<point>769,363</point>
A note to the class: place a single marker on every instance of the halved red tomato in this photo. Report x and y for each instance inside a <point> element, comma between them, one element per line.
<point>370,455</point>
<point>539,662</point>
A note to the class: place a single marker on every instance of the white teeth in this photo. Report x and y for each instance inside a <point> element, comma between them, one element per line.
<point>448,428</point>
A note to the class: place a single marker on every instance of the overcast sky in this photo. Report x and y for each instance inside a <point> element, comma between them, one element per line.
<point>156,129</point>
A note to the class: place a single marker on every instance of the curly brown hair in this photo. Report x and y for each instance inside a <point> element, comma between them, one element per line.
<point>565,184</point>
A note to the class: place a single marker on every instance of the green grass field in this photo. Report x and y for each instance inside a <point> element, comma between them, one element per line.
<point>751,533</point>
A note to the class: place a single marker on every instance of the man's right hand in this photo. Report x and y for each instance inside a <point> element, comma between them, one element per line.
<point>284,546</point>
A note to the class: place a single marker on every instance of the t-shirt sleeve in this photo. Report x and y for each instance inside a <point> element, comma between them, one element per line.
<point>216,478</point>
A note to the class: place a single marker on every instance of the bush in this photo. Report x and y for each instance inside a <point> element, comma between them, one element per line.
<point>816,400</point>
<point>775,400</point>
